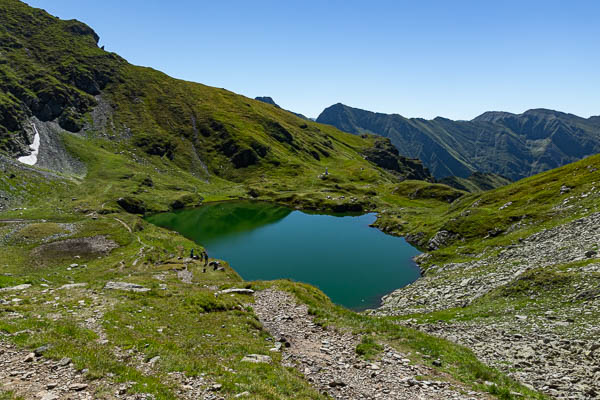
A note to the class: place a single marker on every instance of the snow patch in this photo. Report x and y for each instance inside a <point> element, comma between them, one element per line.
<point>35,149</point>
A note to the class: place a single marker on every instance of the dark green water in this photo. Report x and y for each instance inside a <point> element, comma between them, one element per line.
<point>354,264</point>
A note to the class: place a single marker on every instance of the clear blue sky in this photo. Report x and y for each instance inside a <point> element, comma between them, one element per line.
<point>455,59</point>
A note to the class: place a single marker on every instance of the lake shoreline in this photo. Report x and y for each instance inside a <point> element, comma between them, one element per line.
<point>339,253</point>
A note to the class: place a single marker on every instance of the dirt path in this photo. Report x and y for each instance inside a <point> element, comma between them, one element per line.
<point>140,253</point>
<point>329,361</point>
<point>124,224</point>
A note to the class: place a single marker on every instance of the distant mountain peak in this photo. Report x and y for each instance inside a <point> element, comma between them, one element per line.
<point>268,100</point>
<point>490,116</point>
<point>545,113</point>
<point>542,113</point>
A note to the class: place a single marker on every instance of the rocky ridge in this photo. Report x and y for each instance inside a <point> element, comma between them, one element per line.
<point>512,145</point>
<point>459,284</point>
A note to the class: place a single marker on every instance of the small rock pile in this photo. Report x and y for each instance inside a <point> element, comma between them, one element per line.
<point>34,377</point>
<point>562,368</point>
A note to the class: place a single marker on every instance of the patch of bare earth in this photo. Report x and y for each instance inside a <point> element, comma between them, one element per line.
<point>83,247</point>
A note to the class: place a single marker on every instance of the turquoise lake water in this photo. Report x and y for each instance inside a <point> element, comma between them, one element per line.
<point>354,264</point>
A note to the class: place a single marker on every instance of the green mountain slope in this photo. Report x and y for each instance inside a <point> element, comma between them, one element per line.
<point>500,216</point>
<point>53,70</point>
<point>512,145</point>
<point>477,182</point>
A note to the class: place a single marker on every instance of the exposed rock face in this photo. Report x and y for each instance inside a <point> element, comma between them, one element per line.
<point>440,239</point>
<point>47,84</point>
<point>328,358</point>
<point>132,205</point>
<point>268,100</point>
<point>278,132</point>
<point>244,158</point>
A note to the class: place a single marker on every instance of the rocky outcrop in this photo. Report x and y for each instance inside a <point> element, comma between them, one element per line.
<point>441,239</point>
<point>235,290</point>
<point>132,205</point>
<point>385,155</point>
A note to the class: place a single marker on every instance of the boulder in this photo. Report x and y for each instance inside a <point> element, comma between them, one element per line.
<point>73,285</point>
<point>257,359</point>
<point>235,290</point>
<point>591,253</point>
<point>129,287</point>
<point>15,288</point>
<point>77,387</point>
<point>440,239</point>
<point>132,205</point>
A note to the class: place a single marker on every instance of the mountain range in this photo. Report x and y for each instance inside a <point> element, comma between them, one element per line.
<point>512,145</point>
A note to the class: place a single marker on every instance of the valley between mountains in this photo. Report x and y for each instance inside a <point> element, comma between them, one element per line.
<point>96,302</point>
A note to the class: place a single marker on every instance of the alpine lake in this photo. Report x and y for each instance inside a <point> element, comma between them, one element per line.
<point>353,263</point>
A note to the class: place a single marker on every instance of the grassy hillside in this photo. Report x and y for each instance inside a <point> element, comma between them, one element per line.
<point>49,68</point>
<point>477,182</point>
<point>510,270</point>
<point>54,70</point>
<point>501,216</point>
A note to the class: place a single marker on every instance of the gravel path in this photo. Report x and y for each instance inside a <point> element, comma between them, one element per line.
<point>329,361</point>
